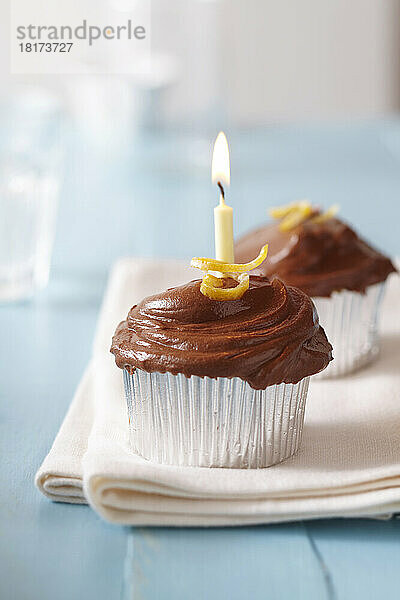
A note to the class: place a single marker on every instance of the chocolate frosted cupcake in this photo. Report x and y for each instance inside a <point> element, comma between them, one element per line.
<point>220,382</point>
<point>325,258</point>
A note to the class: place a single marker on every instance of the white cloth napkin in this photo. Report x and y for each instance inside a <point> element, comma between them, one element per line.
<point>348,464</point>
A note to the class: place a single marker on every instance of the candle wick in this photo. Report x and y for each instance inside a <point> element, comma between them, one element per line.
<point>221,187</point>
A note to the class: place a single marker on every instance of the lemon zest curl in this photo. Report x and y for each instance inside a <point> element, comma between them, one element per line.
<point>329,214</point>
<point>213,286</point>
<point>294,214</point>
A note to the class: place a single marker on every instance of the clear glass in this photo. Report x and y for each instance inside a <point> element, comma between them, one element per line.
<point>350,320</point>
<point>28,202</point>
<point>207,422</point>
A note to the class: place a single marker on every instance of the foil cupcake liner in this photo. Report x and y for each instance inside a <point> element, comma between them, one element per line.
<point>350,320</point>
<point>207,422</point>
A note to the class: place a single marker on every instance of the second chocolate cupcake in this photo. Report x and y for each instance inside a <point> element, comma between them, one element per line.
<point>345,276</point>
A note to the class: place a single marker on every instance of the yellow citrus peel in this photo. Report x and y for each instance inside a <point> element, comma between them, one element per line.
<point>212,264</point>
<point>329,214</point>
<point>213,286</point>
<point>279,212</point>
<point>294,214</point>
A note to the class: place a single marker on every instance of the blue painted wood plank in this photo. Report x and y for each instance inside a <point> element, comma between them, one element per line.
<point>48,550</point>
<point>362,557</point>
<point>261,563</point>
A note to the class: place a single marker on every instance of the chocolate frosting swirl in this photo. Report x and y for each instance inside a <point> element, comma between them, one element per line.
<point>319,258</point>
<point>269,336</point>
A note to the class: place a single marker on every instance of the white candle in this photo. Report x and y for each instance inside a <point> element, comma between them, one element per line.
<point>223,214</point>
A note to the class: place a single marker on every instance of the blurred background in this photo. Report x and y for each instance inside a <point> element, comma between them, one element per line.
<point>307,92</point>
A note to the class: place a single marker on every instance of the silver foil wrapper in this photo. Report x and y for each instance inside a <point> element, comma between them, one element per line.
<point>207,422</point>
<point>350,320</point>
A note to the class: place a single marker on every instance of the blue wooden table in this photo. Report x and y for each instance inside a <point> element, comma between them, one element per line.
<point>157,201</point>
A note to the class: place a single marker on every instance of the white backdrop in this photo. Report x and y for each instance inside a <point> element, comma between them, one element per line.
<point>268,60</point>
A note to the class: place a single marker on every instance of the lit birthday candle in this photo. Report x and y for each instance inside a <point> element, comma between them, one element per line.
<point>223,214</point>
<point>222,268</point>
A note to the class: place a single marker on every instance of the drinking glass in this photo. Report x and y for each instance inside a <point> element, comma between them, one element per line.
<point>28,202</point>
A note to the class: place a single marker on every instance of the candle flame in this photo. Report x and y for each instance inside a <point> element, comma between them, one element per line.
<point>220,170</point>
